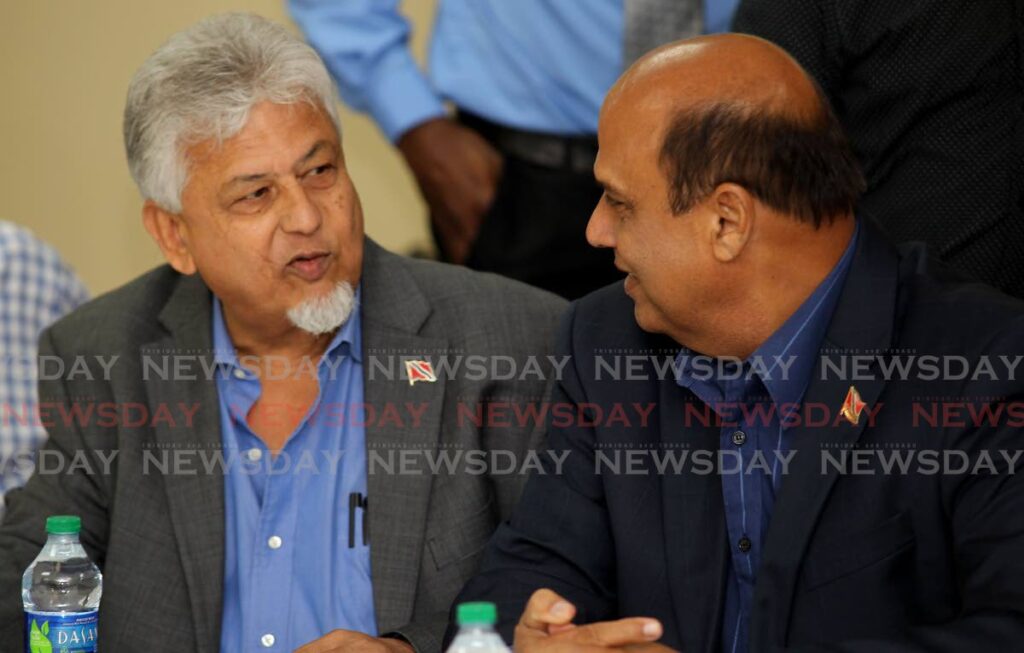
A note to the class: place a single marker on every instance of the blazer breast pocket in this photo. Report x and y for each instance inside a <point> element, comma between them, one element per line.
<point>839,557</point>
<point>462,539</point>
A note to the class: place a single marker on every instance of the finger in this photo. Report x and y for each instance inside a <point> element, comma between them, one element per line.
<point>555,629</point>
<point>454,226</point>
<point>540,643</point>
<point>546,608</point>
<point>333,641</point>
<point>649,647</point>
<point>467,223</point>
<point>458,249</point>
<point>471,232</point>
<point>454,244</point>
<point>636,630</point>
<point>549,645</point>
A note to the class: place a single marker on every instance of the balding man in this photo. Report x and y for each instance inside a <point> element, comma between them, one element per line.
<point>804,481</point>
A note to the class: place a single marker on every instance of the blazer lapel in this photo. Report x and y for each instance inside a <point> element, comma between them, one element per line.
<point>694,523</point>
<point>393,311</point>
<point>196,500</point>
<point>863,322</point>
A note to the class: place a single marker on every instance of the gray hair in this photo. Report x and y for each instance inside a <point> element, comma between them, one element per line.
<point>202,84</point>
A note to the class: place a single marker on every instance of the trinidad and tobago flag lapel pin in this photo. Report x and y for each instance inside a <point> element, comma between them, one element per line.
<point>853,405</point>
<point>420,371</point>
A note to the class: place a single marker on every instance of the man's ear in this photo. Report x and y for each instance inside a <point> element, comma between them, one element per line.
<point>732,207</point>
<point>171,235</point>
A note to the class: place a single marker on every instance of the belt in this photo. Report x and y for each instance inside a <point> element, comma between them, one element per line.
<point>575,153</point>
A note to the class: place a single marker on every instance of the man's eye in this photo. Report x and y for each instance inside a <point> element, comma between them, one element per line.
<point>319,170</point>
<point>320,177</point>
<point>256,194</point>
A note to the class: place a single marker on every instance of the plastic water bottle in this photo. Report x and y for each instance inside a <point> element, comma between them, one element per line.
<point>61,593</point>
<point>476,630</point>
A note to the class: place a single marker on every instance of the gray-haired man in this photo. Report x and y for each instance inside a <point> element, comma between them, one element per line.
<point>247,399</point>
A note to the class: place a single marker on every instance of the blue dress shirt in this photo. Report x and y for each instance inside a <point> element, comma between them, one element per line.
<point>538,65</point>
<point>749,400</point>
<point>290,576</point>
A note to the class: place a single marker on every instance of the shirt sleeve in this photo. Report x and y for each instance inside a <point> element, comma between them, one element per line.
<point>365,45</point>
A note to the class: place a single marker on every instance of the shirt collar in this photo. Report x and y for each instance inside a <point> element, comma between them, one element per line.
<point>348,339</point>
<point>800,336</point>
<point>795,343</point>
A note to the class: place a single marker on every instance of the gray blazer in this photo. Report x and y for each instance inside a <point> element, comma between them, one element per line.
<point>159,538</point>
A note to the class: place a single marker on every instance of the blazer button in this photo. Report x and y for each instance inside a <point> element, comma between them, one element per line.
<point>744,544</point>
<point>738,438</point>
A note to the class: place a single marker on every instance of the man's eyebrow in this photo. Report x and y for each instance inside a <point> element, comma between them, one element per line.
<point>241,179</point>
<point>610,187</point>
<point>258,176</point>
<point>319,145</point>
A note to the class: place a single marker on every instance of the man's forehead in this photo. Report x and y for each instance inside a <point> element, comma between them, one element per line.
<point>274,134</point>
<point>618,172</point>
<point>628,131</point>
<point>270,121</point>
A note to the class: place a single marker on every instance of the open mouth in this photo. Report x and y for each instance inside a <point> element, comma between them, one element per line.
<point>310,266</point>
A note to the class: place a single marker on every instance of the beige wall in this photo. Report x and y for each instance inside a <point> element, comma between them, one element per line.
<point>64,68</point>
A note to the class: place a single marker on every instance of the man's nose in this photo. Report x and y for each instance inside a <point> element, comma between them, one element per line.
<point>599,228</point>
<point>301,214</point>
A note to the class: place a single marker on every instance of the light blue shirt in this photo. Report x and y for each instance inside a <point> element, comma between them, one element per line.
<point>290,576</point>
<point>538,65</point>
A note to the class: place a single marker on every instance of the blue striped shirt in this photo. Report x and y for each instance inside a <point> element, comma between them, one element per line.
<point>750,397</point>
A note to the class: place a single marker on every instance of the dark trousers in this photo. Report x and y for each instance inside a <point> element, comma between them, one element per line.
<point>535,229</point>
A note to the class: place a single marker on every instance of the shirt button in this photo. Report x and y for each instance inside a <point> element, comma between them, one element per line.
<point>739,438</point>
<point>240,374</point>
<point>274,542</point>
<point>744,544</point>
<point>267,640</point>
<point>254,454</point>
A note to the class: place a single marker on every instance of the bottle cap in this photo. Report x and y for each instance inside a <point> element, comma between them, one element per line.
<point>63,524</point>
<point>476,613</point>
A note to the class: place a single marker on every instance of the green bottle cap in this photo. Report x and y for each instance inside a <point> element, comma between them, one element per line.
<point>63,524</point>
<point>476,613</point>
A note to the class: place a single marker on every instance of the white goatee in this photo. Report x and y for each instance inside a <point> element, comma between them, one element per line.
<point>324,314</point>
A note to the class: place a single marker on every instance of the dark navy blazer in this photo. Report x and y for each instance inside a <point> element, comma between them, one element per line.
<point>861,554</point>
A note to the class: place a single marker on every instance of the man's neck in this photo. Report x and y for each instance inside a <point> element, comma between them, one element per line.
<point>771,298</point>
<point>281,339</point>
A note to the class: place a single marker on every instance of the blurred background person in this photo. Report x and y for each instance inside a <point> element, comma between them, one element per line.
<point>36,288</point>
<point>508,178</point>
<point>931,95</point>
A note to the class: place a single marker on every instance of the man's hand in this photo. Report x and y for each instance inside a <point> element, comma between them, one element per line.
<point>546,625</point>
<point>458,172</point>
<point>353,642</point>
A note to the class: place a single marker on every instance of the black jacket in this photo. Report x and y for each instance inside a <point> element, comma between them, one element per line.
<point>855,561</point>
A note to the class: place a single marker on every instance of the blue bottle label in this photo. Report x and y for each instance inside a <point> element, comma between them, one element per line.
<point>73,632</point>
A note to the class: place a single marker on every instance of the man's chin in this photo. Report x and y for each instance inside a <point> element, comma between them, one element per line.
<point>325,310</point>
<point>644,320</point>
